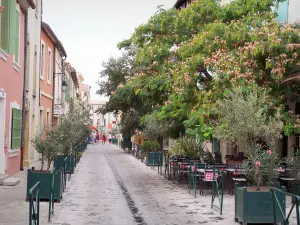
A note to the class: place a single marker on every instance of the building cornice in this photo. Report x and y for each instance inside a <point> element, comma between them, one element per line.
<point>50,33</point>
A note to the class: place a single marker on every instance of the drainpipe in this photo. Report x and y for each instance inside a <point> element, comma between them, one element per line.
<point>53,89</point>
<point>24,91</point>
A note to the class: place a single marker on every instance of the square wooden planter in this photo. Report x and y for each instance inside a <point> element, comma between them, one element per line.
<point>256,206</point>
<point>45,177</point>
<point>59,162</point>
<point>154,158</point>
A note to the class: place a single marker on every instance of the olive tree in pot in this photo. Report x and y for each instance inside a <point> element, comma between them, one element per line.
<point>152,153</point>
<point>47,143</point>
<point>247,119</point>
<point>73,130</point>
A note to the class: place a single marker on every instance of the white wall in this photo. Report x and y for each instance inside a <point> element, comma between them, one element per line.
<point>34,36</point>
<point>293,14</point>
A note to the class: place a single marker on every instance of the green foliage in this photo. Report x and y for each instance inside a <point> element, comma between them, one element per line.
<point>72,129</point>
<point>191,148</point>
<point>294,166</point>
<point>185,61</point>
<point>261,166</point>
<point>246,119</point>
<point>47,142</point>
<point>150,146</point>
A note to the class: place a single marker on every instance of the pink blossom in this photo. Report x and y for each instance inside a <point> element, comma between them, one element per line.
<point>281,170</point>
<point>292,158</point>
<point>257,164</point>
<point>269,152</point>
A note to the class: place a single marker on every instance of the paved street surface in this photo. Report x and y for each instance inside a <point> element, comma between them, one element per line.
<point>110,187</point>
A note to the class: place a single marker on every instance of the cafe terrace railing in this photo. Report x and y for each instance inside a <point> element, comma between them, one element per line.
<point>34,204</point>
<point>217,188</point>
<point>51,194</point>
<point>296,202</point>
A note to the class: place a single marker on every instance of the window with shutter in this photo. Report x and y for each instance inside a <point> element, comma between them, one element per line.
<point>17,36</point>
<point>16,128</point>
<point>282,12</point>
<point>10,27</point>
<point>68,90</point>
<point>5,25</point>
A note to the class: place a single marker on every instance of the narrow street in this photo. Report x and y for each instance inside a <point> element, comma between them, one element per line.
<point>112,187</point>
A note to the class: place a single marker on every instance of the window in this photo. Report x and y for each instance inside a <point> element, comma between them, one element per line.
<point>10,28</point>
<point>42,60</point>
<point>41,118</point>
<point>297,108</point>
<point>47,118</point>
<point>16,127</point>
<point>17,35</point>
<point>49,67</point>
<point>283,10</point>
<point>37,8</point>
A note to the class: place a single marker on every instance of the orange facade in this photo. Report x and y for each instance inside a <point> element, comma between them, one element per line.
<point>46,79</point>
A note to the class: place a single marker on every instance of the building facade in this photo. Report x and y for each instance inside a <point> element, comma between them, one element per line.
<point>12,69</point>
<point>59,77</point>
<point>32,81</point>
<point>183,4</point>
<point>46,76</point>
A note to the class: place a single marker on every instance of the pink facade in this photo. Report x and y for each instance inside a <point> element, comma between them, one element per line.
<point>11,94</point>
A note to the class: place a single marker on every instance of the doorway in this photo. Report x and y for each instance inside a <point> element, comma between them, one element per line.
<point>2,131</point>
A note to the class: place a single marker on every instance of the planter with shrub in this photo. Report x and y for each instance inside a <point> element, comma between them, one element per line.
<point>246,118</point>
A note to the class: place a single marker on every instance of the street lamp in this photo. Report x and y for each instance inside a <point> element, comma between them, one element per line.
<point>64,86</point>
<point>64,83</point>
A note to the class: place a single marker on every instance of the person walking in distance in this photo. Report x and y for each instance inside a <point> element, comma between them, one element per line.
<point>109,138</point>
<point>98,137</point>
<point>103,139</point>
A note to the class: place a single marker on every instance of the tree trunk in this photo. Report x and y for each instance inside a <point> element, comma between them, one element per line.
<point>48,164</point>
<point>42,163</point>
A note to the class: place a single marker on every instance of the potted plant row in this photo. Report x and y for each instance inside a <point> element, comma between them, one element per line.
<point>55,145</point>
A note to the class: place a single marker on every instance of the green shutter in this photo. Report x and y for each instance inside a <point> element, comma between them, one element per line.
<point>68,90</point>
<point>8,26</point>
<point>215,145</point>
<point>16,128</point>
<point>5,25</point>
<point>17,37</point>
<point>12,26</point>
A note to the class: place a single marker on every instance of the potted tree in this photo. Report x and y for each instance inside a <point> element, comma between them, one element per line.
<point>150,151</point>
<point>73,130</point>
<point>47,143</point>
<point>247,119</point>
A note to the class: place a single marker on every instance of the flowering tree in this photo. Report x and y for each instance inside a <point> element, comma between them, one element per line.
<point>189,59</point>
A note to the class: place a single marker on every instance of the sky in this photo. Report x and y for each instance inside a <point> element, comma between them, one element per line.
<point>91,29</point>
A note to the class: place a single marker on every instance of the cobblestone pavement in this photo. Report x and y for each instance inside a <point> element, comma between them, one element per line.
<point>110,187</point>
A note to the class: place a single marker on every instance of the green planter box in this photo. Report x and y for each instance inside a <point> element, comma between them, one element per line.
<point>295,189</point>
<point>256,207</point>
<point>114,141</point>
<point>45,177</point>
<point>59,162</point>
<point>154,158</point>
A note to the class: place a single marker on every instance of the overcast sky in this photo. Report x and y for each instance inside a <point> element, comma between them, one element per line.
<point>91,29</point>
